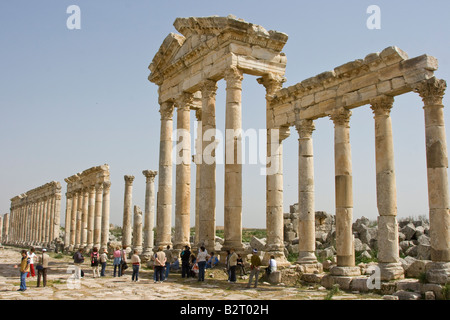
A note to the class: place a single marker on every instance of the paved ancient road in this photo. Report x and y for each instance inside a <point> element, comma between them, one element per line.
<point>215,286</point>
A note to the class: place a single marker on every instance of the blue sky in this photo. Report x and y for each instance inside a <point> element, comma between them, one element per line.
<point>73,99</point>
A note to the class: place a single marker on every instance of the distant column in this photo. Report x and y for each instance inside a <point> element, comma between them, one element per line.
<point>98,215</point>
<point>90,218</point>
<point>68,223</point>
<point>127,212</point>
<point>84,218</point>
<point>105,214</point>
<point>149,219</point>
<point>137,230</point>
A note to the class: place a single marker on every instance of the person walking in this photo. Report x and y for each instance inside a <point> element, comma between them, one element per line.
<point>103,260</point>
<point>31,254</point>
<point>117,262</point>
<point>24,269</point>
<point>255,264</point>
<point>78,259</point>
<point>95,260</point>
<point>42,267</point>
<point>169,258</point>
<point>185,255</point>
<point>160,262</point>
<point>233,265</point>
<point>135,262</point>
<point>202,257</point>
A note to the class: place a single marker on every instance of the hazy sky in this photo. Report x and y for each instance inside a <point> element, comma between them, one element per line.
<point>74,99</point>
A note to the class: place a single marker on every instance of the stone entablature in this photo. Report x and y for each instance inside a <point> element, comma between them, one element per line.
<point>351,85</point>
<point>35,216</point>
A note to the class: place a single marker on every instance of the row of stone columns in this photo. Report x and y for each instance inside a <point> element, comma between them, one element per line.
<point>34,218</point>
<point>87,217</point>
<point>432,92</point>
<point>133,226</point>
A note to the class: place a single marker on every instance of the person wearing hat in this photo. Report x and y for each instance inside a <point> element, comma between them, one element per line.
<point>42,267</point>
<point>255,263</point>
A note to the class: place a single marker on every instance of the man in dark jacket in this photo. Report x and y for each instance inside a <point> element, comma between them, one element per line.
<point>78,259</point>
<point>185,255</point>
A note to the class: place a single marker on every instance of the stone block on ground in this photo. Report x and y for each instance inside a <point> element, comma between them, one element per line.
<point>406,295</point>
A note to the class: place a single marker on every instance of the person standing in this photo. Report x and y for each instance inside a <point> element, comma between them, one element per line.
<point>31,254</point>
<point>136,262</point>
<point>103,260</point>
<point>42,267</point>
<point>169,258</point>
<point>123,256</point>
<point>24,269</point>
<point>185,255</point>
<point>233,265</point>
<point>202,257</point>
<point>241,266</point>
<point>254,267</point>
<point>117,262</point>
<point>160,262</point>
<point>95,257</point>
<point>78,259</point>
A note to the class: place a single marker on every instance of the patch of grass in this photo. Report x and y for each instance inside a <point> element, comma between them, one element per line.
<point>446,291</point>
<point>359,258</point>
<point>292,257</point>
<point>422,277</point>
<point>333,291</point>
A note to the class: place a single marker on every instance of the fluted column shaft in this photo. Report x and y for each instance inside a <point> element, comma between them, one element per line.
<point>127,212</point>
<point>149,219</point>
<point>98,215</point>
<point>164,201</point>
<point>105,214</point>
<point>68,223</point>
<point>84,218</point>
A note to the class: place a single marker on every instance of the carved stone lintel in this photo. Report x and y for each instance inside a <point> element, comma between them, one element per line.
<point>150,175</point>
<point>305,128</point>
<point>341,117</point>
<point>166,110</point>
<point>234,76</point>
<point>431,91</point>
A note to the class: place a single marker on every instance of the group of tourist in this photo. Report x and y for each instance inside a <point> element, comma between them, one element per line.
<point>27,267</point>
<point>191,265</point>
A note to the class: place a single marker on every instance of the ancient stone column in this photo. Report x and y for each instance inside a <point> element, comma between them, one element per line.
<point>207,205</point>
<point>233,161</point>
<point>1,230</point>
<point>306,211</point>
<point>137,229</point>
<point>48,209</point>
<point>73,223</point>
<point>274,177</point>
<point>343,194</point>
<point>57,218</point>
<point>149,220</point>
<point>164,201</point>
<point>127,212</point>
<point>388,251</point>
<point>197,159</point>
<point>51,221</point>
<point>183,173</point>
<point>68,223</point>
<point>90,219</point>
<point>6,219</point>
<point>105,214</point>
<point>432,92</point>
<point>98,215</point>
<point>84,218</point>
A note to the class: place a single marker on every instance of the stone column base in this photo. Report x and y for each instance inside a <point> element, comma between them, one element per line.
<point>345,271</point>
<point>309,267</point>
<point>306,258</point>
<point>438,272</point>
<point>391,271</point>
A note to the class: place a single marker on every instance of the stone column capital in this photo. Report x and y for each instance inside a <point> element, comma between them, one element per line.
<point>305,128</point>
<point>185,101</point>
<point>208,88</point>
<point>234,76</point>
<point>128,179</point>
<point>272,83</point>
<point>106,185</point>
<point>166,110</point>
<point>341,117</point>
<point>99,187</point>
<point>198,114</point>
<point>431,91</point>
<point>150,175</point>
<point>57,196</point>
<point>284,132</point>
<point>382,105</point>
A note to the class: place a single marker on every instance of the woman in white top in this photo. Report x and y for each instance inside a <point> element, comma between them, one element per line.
<point>31,255</point>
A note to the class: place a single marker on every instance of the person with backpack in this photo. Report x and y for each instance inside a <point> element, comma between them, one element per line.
<point>78,259</point>
<point>95,257</point>
<point>185,268</point>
